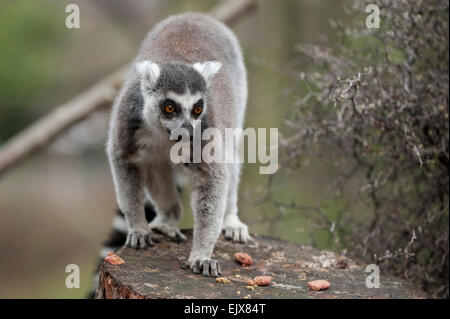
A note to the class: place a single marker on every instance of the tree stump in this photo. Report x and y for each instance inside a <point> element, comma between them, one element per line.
<point>157,273</point>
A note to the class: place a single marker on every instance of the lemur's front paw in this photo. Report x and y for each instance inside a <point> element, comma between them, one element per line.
<point>140,237</point>
<point>170,229</point>
<point>206,266</point>
<point>235,230</point>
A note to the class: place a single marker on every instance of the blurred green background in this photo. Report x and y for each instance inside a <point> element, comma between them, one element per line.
<point>56,207</point>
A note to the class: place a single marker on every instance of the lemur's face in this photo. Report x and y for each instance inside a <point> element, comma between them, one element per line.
<point>175,94</point>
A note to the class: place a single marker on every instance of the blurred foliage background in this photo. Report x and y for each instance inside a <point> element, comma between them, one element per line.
<point>56,207</point>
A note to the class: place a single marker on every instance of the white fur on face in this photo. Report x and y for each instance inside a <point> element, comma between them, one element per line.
<point>208,69</point>
<point>149,73</point>
<point>187,101</point>
<point>151,107</point>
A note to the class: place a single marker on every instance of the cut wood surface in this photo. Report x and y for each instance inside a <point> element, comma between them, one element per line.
<point>157,273</point>
<point>45,130</point>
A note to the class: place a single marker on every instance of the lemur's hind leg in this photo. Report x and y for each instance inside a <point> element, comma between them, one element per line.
<point>232,226</point>
<point>163,193</point>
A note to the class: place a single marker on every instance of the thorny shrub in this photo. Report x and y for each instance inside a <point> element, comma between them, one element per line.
<point>378,106</point>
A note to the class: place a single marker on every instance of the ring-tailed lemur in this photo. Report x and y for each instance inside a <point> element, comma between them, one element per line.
<point>189,67</point>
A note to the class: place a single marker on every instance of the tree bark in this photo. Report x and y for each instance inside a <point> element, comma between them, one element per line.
<point>157,273</point>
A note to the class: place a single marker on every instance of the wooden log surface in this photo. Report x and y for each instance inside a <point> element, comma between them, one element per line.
<point>157,273</point>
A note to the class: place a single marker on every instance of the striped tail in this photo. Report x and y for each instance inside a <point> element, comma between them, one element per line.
<point>117,239</point>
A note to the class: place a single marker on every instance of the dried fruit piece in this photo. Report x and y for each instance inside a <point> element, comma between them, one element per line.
<point>223,280</point>
<point>251,282</point>
<point>262,280</point>
<point>244,258</point>
<point>318,285</point>
<point>113,259</point>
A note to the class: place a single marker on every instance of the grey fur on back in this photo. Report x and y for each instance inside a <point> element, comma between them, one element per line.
<point>194,37</point>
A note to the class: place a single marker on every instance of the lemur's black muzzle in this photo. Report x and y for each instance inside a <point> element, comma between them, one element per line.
<point>188,129</point>
<point>185,132</point>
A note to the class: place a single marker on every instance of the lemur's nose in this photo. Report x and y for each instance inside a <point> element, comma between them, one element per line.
<point>170,133</point>
<point>190,130</point>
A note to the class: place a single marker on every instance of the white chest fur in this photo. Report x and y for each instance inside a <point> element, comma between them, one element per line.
<point>152,146</point>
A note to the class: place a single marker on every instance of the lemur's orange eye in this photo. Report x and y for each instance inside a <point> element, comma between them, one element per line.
<point>169,109</point>
<point>198,110</point>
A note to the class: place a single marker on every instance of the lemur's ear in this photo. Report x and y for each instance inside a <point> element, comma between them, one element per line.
<point>149,73</point>
<point>208,69</point>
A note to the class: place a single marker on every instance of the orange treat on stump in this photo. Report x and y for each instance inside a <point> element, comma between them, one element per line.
<point>244,258</point>
<point>262,280</point>
<point>113,259</point>
<point>223,280</point>
<point>318,285</point>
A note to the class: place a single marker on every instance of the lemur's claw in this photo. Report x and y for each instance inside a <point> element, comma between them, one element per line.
<point>170,229</point>
<point>211,268</point>
<point>185,265</point>
<point>196,268</point>
<point>235,230</point>
<point>140,239</point>
<point>155,238</point>
<point>180,237</point>
<point>207,267</point>
<point>237,234</point>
